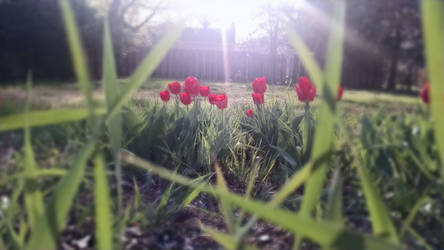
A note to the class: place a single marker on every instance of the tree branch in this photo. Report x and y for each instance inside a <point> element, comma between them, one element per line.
<point>126,8</point>
<point>135,28</point>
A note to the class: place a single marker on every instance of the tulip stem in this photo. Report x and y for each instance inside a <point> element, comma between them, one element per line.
<point>308,130</point>
<point>223,119</point>
<point>259,106</point>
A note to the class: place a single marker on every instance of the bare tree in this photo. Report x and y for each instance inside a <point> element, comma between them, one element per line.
<point>127,19</point>
<point>274,23</point>
<point>134,14</point>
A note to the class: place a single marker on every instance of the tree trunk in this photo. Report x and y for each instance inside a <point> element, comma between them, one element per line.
<point>393,72</point>
<point>410,77</point>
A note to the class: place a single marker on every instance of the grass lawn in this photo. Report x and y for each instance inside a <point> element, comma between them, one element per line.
<point>46,96</point>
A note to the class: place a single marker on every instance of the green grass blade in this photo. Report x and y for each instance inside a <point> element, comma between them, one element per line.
<point>39,173</point>
<point>433,27</point>
<point>225,207</point>
<point>333,212</point>
<point>104,235</point>
<point>413,213</point>
<point>33,197</point>
<point>112,89</point>
<point>379,215</point>
<point>14,236</point>
<point>44,117</point>
<point>2,244</point>
<point>251,179</point>
<point>67,187</point>
<point>51,172</point>
<point>112,92</point>
<point>227,241</point>
<point>145,69</point>
<point>78,55</point>
<point>324,233</point>
<point>241,231</point>
<point>11,215</point>
<point>289,187</point>
<point>137,197</point>
<point>306,56</point>
<point>292,185</point>
<point>420,239</point>
<point>324,134</point>
<point>60,204</point>
<point>164,200</point>
<point>189,198</point>
<point>110,82</point>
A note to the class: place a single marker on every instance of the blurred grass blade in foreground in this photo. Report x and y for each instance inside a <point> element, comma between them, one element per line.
<point>306,56</point>
<point>433,27</point>
<point>146,67</point>
<point>112,91</point>
<point>46,231</point>
<point>324,132</point>
<point>103,216</point>
<point>325,233</point>
<point>333,210</point>
<point>379,214</point>
<point>79,61</point>
<point>45,117</point>
<point>225,206</point>
<point>33,195</point>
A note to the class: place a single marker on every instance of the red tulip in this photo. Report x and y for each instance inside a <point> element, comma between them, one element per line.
<point>425,96</point>
<point>212,98</point>
<point>259,85</point>
<point>305,90</point>
<point>174,87</point>
<point>185,98</point>
<point>340,92</point>
<point>249,113</point>
<point>221,101</point>
<point>204,91</point>
<point>258,98</point>
<point>165,95</point>
<point>192,86</point>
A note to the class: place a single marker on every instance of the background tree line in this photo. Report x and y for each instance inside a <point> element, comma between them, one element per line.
<point>383,47</point>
